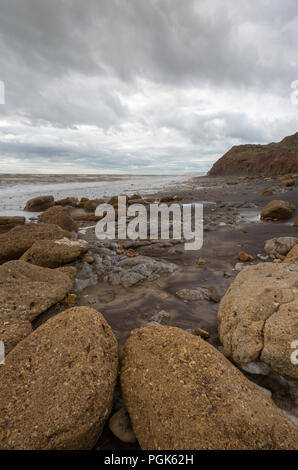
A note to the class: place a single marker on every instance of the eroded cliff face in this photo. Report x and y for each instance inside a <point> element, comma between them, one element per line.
<point>272,159</point>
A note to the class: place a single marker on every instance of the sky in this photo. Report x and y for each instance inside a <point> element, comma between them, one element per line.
<point>142,86</point>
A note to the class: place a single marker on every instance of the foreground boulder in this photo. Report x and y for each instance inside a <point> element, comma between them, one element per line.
<point>292,256</point>
<point>281,210</point>
<point>280,247</point>
<point>55,253</point>
<point>7,223</point>
<point>26,290</point>
<point>59,215</point>
<point>181,393</point>
<point>19,239</point>
<point>39,204</point>
<point>57,385</point>
<point>258,317</point>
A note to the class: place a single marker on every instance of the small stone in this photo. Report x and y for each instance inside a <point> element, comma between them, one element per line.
<point>204,334</point>
<point>201,261</point>
<point>244,257</point>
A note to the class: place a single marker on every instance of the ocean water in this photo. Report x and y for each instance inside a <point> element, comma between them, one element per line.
<point>15,192</point>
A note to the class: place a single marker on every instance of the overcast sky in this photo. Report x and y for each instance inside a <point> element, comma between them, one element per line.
<point>143,86</point>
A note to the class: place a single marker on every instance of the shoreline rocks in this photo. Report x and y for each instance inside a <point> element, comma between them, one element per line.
<point>39,204</point>
<point>57,386</point>
<point>277,209</point>
<point>181,393</point>
<point>7,223</point>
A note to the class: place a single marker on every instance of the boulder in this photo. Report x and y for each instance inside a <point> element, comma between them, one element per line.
<point>68,201</point>
<point>19,239</point>
<point>12,331</point>
<point>181,393</point>
<point>57,385</point>
<point>277,209</point>
<point>7,223</point>
<point>55,253</point>
<point>59,215</point>
<point>120,426</point>
<point>280,247</point>
<point>244,257</point>
<point>92,204</point>
<point>39,204</point>
<point>27,290</point>
<point>87,218</point>
<point>292,256</point>
<point>257,317</point>
<point>287,183</point>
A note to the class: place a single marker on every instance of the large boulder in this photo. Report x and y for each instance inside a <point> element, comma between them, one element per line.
<point>292,256</point>
<point>19,239</point>
<point>59,215</point>
<point>280,247</point>
<point>55,253</point>
<point>39,204</point>
<point>277,209</point>
<point>57,385</point>
<point>68,201</point>
<point>12,331</point>
<point>181,393</point>
<point>257,317</point>
<point>26,290</point>
<point>91,205</point>
<point>7,223</point>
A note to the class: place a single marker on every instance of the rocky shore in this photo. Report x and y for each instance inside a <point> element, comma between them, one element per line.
<point>105,340</point>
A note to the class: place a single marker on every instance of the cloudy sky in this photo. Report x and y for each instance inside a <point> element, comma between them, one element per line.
<point>143,86</point>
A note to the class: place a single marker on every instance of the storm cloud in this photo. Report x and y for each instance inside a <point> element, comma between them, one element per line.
<point>142,86</point>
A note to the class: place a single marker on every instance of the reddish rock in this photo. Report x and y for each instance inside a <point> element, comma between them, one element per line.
<point>280,210</point>
<point>272,159</point>
<point>244,257</point>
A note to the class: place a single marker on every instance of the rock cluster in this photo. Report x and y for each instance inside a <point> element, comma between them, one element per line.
<point>7,223</point>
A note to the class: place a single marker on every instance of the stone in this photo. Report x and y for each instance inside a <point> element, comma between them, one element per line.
<point>292,256</point>
<point>14,243</point>
<point>57,385</point>
<point>295,223</point>
<point>280,247</point>
<point>244,257</point>
<point>278,209</point>
<point>287,183</point>
<point>7,223</point>
<point>59,215</point>
<point>39,204</point>
<point>12,331</point>
<point>120,426</point>
<point>86,278</point>
<point>27,290</point>
<point>181,393</point>
<point>193,294</point>
<point>87,218</point>
<point>55,253</point>
<point>68,201</point>
<point>202,333</point>
<point>92,204</point>
<point>257,317</point>
<point>267,192</point>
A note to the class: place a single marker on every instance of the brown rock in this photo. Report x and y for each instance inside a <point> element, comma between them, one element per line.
<point>201,261</point>
<point>55,253</point>
<point>39,204</point>
<point>59,215</point>
<point>260,297</point>
<point>27,290</point>
<point>267,192</point>
<point>120,426</point>
<point>57,385</point>
<point>168,198</point>
<point>181,393</point>
<point>91,205</point>
<point>292,256</point>
<point>7,223</point>
<point>277,209</point>
<point>82,202</point>
<point>19,239</point>
<point>87,218</point>
<point>296,223</point>
<point>68,201</point>
<point>272,159</point>
<point>70,272</point>
<point>12,331</point>
<point>202,333</point>
<point>244,257</point>
<point>287,183</point>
